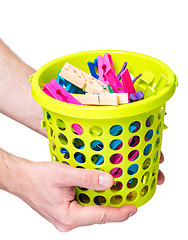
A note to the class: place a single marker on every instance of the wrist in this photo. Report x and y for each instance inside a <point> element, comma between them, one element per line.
<point>14,174</point>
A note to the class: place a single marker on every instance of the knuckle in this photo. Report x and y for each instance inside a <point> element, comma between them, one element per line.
<point>88,178</point>
<point>103,218</point>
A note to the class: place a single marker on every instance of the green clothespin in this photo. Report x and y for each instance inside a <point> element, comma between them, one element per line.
<point>144,82</point>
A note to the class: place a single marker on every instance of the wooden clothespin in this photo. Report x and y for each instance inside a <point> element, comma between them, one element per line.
<point>83,80</point>
<point>102,99</point>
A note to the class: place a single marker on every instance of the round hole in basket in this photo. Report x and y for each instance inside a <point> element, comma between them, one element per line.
<point>147,149</point>
<point>156,156</point>
<point>134,141</point>
<point>97,145</point>
<point>132,182</point>
<point>99,200</point>
<point>79,157</point>
<point>133,169</point>
<point>96,131</point>
<point>60,124</point>
<point>117,186</point>
<point>65,153</point>
<point>97,159</point>
<point>145,178</point>
<point>63,139</point>
<point>149,135</point>
<point>78,143</point>
<point>133,155</point>
<point>150,121</point>
<point>116,199</point>
<point>153,183</point>
<point>76,129</point>
<point>116,172</point>
<point>116,130</point>
<point>146,163</point>
<point>84,198</point>
<point>116,158</point>
<point>116,144</point>
<point>157,142</point>
<point>144,191</point>
<point>134,126</point>
<point>131,196</point>
<point>159,128</point>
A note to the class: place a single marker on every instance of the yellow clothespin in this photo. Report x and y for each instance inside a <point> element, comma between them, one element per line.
<point>83,80</point>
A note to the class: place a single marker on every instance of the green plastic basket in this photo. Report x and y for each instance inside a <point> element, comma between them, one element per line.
<point>143,120</point>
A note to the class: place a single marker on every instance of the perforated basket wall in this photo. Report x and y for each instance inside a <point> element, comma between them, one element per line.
<point>136,172</point>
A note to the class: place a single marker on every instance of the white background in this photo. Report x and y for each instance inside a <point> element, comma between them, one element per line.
<point>39,31</point>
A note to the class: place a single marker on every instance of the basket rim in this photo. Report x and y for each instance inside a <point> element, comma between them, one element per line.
<point>103,112</point>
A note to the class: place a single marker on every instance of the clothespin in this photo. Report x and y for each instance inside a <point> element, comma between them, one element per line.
<point>97,145</point>
<point>82,80</point>
<point>114,82</point>
<point>102,99</point>
<point>69,87</point>
<point>61,80</point>
<point>79,158</point>
<point>123,68</point>
<point>134,155</point>
<point>116,130</point>
<point>158,86</point>
<point>92,67</point>
<point>132,170</point>
<point>65,153</point>
<point>116,158</point>
<point>137,96</point>
<point>144,82</point>
<point>134,141</point>
<point>98,160</point>
<point>116,144</point>
<point>104,64</point>
<point>127,82</point>
<point>55,90</point>
<point>77,128</point>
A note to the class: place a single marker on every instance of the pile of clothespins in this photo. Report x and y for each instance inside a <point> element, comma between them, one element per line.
<point>105,88</point>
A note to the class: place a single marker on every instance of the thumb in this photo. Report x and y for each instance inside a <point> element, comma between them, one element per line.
<point>87,178</point>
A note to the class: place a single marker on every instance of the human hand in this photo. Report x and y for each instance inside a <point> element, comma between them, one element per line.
<point>50,191</point>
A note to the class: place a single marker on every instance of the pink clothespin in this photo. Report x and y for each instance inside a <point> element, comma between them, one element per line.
<point>104,64</point>
<point>127,82</point>
<point>55,90</point>
<point>114,82</point>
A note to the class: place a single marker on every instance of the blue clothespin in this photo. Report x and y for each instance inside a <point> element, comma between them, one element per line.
<point>116,130</point>
<point>99,160</point>
<point>61,80</point>
<point>92,68</point>
<point>147,149</point>
<point>114,145</point>
<point>132,169</point>
<point>69,87</point>
<point>97,145</point>
<point>79,158</point>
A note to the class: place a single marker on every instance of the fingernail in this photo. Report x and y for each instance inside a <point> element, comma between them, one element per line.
<point>132,213</point>
<point>104,180</point>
